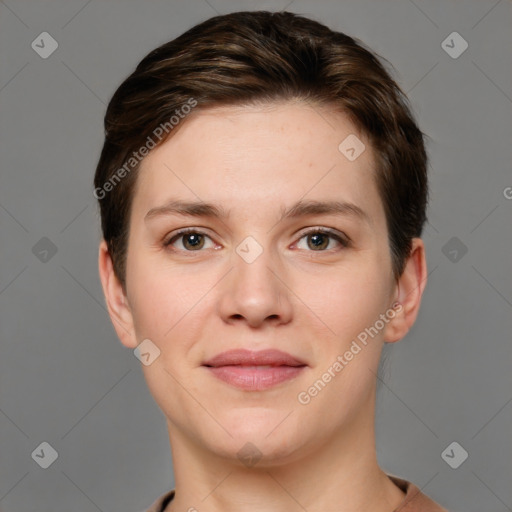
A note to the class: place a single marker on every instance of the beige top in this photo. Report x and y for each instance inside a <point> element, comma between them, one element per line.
<point>414,500</point>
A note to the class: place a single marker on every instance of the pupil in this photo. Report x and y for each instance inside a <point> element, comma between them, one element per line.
<point>318,238</point>
<point>193,239</point>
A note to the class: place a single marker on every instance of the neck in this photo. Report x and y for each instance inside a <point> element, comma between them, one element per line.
<point>341,473</point>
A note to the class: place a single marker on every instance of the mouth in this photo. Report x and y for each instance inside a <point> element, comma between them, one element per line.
<point>254,371</point>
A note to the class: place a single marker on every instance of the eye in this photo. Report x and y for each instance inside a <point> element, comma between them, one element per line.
<point>318,239</point>
<point>191,240</point>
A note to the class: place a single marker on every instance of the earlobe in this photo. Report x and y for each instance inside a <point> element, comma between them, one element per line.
<point>115,297</point>
<point>410,287</point>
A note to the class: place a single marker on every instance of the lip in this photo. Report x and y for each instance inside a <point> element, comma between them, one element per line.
<point>254,370</point>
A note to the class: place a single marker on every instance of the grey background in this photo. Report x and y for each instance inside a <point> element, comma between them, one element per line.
<point>67,380</point>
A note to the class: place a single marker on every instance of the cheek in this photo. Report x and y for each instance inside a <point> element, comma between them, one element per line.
<point>347,354</point>
<point>346,299</point>
<point>167,303</point>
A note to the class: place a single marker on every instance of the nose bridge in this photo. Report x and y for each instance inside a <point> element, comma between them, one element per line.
<point>254,290</point>
<point>253,277</point>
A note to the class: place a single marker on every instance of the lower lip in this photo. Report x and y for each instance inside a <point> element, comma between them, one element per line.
<point>255,379</point>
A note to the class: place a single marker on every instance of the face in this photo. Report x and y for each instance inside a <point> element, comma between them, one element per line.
<point>291,255</point>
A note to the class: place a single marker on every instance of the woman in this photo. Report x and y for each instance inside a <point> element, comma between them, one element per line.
<point>262,190</point>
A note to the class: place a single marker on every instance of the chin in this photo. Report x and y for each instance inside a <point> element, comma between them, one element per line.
<point>257,422</point>
<point>260,437</point>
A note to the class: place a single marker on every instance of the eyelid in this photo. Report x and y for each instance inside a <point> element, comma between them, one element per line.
<point>341,237</point>
<point>176,235</point>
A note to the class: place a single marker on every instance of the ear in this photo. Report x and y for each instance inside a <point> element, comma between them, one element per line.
<point>115,296</point>
<point>409,290</point>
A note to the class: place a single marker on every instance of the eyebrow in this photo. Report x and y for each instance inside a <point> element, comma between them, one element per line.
<point>299,209</point>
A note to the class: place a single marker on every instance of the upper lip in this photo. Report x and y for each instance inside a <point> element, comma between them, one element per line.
<point>243,357</point>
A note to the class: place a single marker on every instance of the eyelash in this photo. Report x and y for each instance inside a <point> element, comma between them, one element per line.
<point>344,241</point>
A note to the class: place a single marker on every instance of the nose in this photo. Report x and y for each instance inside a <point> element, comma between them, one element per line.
<point>256,292</point>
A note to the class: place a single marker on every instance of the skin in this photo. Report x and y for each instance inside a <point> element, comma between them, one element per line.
<point>309,302</point>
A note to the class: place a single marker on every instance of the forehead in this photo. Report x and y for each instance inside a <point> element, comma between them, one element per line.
<point>263,156</point>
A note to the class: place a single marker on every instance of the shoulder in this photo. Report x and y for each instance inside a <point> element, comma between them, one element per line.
<point>161,503</point>
<point>414,500</point>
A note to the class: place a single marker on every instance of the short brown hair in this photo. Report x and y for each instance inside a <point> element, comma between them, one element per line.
<point>244,58</point>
